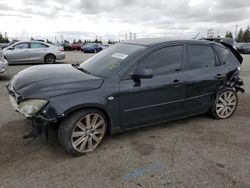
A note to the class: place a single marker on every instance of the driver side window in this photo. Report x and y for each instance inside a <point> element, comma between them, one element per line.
<point>162,61</point>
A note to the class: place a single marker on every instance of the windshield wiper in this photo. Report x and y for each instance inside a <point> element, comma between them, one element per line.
<point>83,70</point>
<point>77,66</point>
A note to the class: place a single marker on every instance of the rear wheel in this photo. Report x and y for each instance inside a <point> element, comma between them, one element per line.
<point>82,131</point>
<point>225,104</point>
<point>49,59</point>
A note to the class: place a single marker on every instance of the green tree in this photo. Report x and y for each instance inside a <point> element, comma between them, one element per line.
<point>229,34</point>
<point>79,41</point>
<point>246,35</point>
<point>50,42</point>
<point>4,39</point>
<point>240,35</point>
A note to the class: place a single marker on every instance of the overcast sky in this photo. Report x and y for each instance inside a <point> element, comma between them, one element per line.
<point>113,18</point>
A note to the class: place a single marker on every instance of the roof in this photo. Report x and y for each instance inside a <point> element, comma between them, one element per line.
<point>156,41</point>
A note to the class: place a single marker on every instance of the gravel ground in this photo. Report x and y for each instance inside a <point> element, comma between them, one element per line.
<point>193,152</point>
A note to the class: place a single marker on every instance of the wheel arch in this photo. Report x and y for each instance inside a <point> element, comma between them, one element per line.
<point>49,54</point>
<point>97,107</point>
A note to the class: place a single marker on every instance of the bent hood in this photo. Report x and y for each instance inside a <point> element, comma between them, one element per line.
<point>45,81</point>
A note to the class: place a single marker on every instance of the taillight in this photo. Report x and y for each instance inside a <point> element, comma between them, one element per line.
<point>61,49</point>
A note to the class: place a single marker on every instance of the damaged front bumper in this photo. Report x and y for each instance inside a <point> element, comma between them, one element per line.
<point>31,109</point>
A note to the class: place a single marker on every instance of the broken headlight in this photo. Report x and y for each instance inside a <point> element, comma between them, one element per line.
<point>31,106</point>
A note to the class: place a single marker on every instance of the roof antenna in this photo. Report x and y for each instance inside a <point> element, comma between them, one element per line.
<point>196,35</point>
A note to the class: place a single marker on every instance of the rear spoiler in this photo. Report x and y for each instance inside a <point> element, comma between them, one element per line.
<point>229,43</point>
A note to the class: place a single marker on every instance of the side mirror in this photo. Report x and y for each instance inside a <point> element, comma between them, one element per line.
<point>11,48</point>
<point>142,73</point>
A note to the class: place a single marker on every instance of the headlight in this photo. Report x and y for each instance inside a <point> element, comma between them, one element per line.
<point>32,106</point>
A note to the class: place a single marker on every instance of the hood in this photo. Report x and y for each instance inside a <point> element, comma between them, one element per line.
<point>45,81</point>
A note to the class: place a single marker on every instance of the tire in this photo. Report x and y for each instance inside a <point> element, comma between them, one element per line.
<point>225,104</point>
<point>49,59</point>
<point>82,131</point>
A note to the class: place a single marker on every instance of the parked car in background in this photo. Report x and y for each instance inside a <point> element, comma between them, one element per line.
<point>91,48</point>
<point>33,51</point>
<point>3,63</point>
<point>243,48</point>
<point>66,46</point>
<point>76,46</point>
<point>127,86</point>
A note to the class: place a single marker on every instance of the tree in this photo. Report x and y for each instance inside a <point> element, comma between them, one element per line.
<point>229,34</point>
<point>79,41</point>
<point>50,42</point>
<point>4,39</point>
<point>246,35</point>
<point>74,42</point>
<point>240,35</point>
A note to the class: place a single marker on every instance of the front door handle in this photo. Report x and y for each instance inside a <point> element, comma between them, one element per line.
<point>220,76</point>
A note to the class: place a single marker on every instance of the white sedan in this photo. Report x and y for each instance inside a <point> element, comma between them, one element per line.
<point>33,51</point>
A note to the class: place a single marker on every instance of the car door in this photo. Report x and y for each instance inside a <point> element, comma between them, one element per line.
<point>37,51</point>
<point>18,52</point>
<point>158,98</point>
<point>204,76</point>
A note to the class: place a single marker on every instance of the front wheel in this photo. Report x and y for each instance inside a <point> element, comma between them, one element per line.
<point>225,104</point>
<point>49,59</point>
<point>82,131</point>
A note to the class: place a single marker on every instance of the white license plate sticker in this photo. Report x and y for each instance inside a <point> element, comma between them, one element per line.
<point>120,56</point>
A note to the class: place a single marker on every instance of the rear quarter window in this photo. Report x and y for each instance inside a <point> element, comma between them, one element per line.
<point>200,56</point>
<point>224,54</point>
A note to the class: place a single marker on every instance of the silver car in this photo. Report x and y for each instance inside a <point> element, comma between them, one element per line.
<point>33,51</point>
<point>3,63</point>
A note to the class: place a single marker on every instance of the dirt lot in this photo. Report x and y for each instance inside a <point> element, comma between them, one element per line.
<point>194,152</point>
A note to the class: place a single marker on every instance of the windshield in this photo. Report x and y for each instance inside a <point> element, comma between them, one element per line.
<point>111,60</point>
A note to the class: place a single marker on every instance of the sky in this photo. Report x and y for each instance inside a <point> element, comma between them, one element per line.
<point>111,19</point>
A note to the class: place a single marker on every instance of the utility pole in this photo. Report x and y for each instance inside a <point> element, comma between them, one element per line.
<point>236,28</point>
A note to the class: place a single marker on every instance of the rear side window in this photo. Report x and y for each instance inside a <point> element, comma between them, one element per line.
<point>165,60</point>
<point>37,45</point>
<point>223,53</point>
<point>200,56</point>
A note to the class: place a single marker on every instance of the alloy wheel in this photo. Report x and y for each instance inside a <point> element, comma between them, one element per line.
<point>226,104</point>
<point>88,133</point>
<point>50,59</point>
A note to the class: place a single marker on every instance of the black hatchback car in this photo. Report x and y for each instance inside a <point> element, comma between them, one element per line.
<point>128,85</point>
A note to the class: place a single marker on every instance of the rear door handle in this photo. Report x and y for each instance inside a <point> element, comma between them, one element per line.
<point>220,76</point>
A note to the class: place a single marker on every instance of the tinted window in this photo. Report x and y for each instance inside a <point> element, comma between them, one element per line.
<point>21,46</point>
<point>165,60</point>
<point>37,45</point>
<point>223,53</point>
<point>200,56</point>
